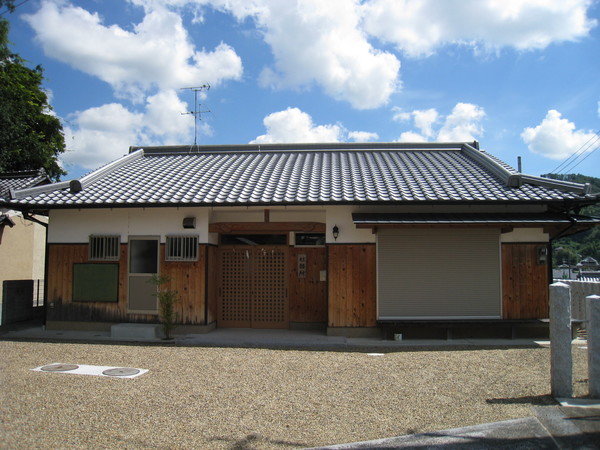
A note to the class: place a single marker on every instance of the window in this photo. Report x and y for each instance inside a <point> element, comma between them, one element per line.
<point>303,239</point>
<point>104,248</point>
<point>182,248</point>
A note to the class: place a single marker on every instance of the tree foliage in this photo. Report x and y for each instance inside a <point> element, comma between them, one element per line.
<point>572,249</point>
<point>31,137</point>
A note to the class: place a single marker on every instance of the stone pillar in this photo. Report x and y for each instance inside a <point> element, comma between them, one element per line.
<point>593,338</point>
<point>561,357</point>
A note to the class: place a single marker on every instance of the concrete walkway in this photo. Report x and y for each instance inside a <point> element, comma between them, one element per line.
<point>550,428</point>
<point>244,337</point>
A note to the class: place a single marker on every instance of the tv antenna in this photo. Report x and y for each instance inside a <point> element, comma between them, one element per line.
<point>196,112</point>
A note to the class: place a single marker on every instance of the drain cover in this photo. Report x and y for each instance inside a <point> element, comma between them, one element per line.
<point>121,372</point>
<point>59,367</point>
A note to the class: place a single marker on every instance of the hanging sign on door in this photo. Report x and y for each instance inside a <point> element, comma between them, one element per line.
<point>302,266</point>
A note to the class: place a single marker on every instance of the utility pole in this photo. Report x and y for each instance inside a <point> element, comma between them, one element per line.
<point>196,113</point>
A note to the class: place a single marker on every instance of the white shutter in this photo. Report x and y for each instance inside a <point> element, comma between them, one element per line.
<point>429,273</point>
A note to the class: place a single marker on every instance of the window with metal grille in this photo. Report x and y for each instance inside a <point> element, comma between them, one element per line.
<point>105,248</point>
<point>182,248</point>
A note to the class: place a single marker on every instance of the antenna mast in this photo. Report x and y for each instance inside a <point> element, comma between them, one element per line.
<point>196,113</point>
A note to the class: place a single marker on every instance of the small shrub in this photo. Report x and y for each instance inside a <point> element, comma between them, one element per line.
<point>167,299</point>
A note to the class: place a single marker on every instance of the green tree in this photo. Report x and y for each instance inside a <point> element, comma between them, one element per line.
<point>31,137</point>
<point>573,249</point>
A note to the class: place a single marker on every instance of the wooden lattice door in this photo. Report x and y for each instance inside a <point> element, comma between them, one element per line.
<point>253,287</point>
<point>269,292</point>
<point>234,305</point>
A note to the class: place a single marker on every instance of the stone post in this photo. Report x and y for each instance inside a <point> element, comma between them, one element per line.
<point>561,357</point>
<point>593,338</point>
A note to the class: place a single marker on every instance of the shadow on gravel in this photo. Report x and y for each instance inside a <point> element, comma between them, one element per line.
<point>537,400</point>
<point>252,440</point>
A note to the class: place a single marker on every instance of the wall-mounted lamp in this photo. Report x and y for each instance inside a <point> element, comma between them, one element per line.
<point>335,232</point>
<point>189,222</point>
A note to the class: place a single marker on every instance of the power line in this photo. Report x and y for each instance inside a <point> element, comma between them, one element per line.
<point>578,153</point>
<point>574,154</point>
<point>14,7</point>
<point>593,142</point>
<point>586,157</point>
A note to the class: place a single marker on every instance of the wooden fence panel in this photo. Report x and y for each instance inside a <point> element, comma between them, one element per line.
<point>188,279</point>
<point>524,282</point>
<point>352,285</point>
<point>308,296</point>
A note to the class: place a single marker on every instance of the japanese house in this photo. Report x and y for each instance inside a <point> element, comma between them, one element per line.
<point>346,236</point>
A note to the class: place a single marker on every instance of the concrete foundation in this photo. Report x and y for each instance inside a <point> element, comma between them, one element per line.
<point>136,331</point>
<point>78,326</point>
<point>354,332</point>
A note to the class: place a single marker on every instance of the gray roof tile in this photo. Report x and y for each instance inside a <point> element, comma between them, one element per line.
<point>21,180</point>
<point>303,174</point>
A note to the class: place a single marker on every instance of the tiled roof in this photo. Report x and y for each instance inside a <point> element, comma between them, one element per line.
<point>20,180</point>
<point>301,174</point>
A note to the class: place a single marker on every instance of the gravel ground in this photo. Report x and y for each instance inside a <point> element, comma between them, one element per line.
<point>231,398</point>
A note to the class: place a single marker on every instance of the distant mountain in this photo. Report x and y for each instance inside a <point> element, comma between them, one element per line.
<point>572,249</point>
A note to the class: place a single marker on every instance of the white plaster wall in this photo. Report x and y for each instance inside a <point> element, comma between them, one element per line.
<point>289,215</point>
<point>75,226</point>
<point>525,235</point>
<point>219,215</point>
<point>348,233</point>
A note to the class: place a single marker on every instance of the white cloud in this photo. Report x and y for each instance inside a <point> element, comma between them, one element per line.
<point>399,115</point>
<point>411,136</point>
<point>157,53</point>
<point>102,134</point>
<point>321,43</point>
<point>463,124</point>
<point>294,125</point>
<point>315,42</point>
<point>362,136</point>
<point>424,121</point>
<point>419,27</point>
<point>556,138</point>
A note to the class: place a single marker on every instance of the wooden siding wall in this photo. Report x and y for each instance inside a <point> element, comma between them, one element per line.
<point>187,278</point>
<point>352,287</point>
<point>524,282</point>
<point>189,281</point>
<point>307,299</point>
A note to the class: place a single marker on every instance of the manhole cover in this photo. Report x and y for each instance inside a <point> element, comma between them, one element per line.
<point>121,372</point>
<point>59,367</point>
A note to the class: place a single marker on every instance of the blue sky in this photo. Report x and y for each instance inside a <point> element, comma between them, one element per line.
<point>520,76</point>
